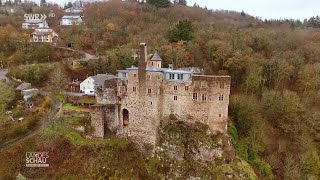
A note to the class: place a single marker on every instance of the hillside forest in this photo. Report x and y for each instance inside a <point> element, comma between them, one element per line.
<point>274,66</point>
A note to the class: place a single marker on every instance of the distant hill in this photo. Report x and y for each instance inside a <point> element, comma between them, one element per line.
<point>274,65</point>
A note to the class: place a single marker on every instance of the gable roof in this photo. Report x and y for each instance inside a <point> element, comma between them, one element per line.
<point>99,79</point>
<point>44,31</point>
<point>23,86</point>
<point>156,57</point>
<point>35,21</point>
<point>71,17</point>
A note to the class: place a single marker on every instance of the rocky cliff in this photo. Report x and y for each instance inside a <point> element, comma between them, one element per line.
<point>186,151</point>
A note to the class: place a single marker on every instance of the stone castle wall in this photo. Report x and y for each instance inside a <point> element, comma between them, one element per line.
<point>159,100</point>
<point>144,98</point>
<point>97,114</point>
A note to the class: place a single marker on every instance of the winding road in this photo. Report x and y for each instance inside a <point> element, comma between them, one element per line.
<point>49,117</point>
<point>53,112</point>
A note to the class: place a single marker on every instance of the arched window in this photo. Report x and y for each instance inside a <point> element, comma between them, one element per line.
<point>125,115</point>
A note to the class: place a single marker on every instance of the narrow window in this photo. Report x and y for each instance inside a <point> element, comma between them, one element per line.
<point>175,98</point>
<point>187,88</point>
<point>195,96</point>
<point>134,89</point>
<point>220,115</point>
<point>204,97</point>
<point>152,63</point>
<point>204,84</point>
<point>149,91</point>
<point>149,76</point>
<point>134,75</point>
<point>175,88</point>
<point>220,97</point>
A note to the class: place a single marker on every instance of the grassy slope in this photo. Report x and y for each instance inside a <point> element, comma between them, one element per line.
<point>73,157</point>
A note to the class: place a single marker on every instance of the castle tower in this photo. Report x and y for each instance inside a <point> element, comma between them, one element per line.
<point>155,61</point>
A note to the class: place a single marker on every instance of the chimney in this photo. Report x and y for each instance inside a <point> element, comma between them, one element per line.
<point>143,52</point>
<point>202,72</point>
<point>142,67</point>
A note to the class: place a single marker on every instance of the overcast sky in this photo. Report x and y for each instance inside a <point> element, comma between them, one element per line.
<point>266,9</point>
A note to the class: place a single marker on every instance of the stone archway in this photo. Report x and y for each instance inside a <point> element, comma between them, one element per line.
<point>125,117</point>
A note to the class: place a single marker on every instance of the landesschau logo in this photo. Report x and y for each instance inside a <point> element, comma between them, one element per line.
<point>37,159</point>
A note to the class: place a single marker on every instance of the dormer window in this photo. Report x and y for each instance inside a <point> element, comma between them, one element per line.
<point>171,76</point>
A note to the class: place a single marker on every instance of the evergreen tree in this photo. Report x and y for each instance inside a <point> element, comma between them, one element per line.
<point>180,2</point>
<point>183,2</point>
<point>16,2</point>
<point>8,3</point>
<point>159,3</point>
<point>43,3</point>
<point>69,5</point>
<point>182,31</point>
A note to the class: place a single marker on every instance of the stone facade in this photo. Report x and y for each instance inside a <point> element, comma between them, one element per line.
<point>143,96</point>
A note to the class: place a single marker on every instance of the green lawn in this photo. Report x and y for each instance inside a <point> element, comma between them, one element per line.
<point>71,107</point>
<point>76,139</point>
<point>60,97</point>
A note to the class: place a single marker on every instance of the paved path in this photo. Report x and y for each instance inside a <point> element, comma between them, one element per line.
<point>87,56</point>
<point>49,117</point>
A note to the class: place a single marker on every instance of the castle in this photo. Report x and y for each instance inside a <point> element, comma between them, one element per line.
<point>134,103</point>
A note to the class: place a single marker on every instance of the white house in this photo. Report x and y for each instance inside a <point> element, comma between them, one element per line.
<point>34,23</point>
<point>75,10</point>
<point>44,36</point>
<point>29,93</point>
<point>88,85</point>
<point>71,20</point>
